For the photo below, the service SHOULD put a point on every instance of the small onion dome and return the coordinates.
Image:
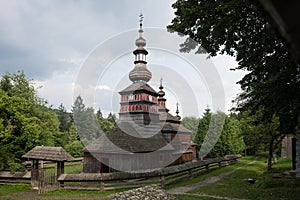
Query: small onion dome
(161, 93)
(161, 87)
(177, 111)
(140, 73)
(140, 42)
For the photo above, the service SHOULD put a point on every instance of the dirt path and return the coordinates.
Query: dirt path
(213, 179)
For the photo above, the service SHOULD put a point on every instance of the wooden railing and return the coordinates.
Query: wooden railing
(17, 178)
(164, 176)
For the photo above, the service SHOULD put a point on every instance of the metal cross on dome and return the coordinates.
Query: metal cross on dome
(177, 110)
(141, 18)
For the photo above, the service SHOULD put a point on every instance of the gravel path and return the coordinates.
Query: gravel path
(150, 192)
(213, 179)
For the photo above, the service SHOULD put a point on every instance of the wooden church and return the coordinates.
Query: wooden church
(147, 136)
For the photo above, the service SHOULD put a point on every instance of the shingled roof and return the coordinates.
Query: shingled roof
(172, 127)
(139, 86)
(165, 116)
(126, 139)
(48, 153)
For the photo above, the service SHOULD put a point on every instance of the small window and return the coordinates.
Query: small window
(131, 97)
(150, 98)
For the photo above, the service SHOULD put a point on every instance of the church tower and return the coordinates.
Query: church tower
(139, 102)
(146, 135)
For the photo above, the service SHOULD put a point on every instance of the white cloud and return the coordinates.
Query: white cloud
(103, 87)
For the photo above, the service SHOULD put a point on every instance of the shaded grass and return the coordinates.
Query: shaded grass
(236, 186)
(10, 189)
(70, 168)
(82, 193)
(85, 198)
(233, 185)
(190, 197)
(211, 173)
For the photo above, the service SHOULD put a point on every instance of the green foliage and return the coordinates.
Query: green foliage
(257, 133)
(105, 123)
(85, 121)
(191, 123)
(65, 118)
(239, 28)
(112, 117)
(17, 85)
(74, 148)
(89, 125)
(218, 135)
(74, 145)
(25, 121)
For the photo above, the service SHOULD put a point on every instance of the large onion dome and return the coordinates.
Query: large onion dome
(140, 73)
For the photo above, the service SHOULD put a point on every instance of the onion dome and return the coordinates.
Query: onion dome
(140, 42)
(161, 93)
(140, 73)
(177, 111)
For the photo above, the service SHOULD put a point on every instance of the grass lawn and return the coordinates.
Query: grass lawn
(214, 172)
(10, 189)
(82, 193)
(232, 186)
(190, 197)
(70, 168)
(57, 194)
(235, 186)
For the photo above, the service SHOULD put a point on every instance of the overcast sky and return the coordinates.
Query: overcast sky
(50, 41)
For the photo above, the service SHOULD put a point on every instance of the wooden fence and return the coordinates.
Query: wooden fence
(14, 178)
(165, 176)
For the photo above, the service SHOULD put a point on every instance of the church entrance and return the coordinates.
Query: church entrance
(104, 165)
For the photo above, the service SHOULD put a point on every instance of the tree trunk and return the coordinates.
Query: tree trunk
(275, 157)
(270, 154)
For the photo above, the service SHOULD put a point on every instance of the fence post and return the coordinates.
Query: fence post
(41, 181)
(162, 181)
(102, 185)
(207, 167)
(190, 173)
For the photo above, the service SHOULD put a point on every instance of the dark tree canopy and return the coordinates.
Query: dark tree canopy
(239, 28)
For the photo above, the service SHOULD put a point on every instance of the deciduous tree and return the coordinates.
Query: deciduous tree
(239, 28)
(25, 120)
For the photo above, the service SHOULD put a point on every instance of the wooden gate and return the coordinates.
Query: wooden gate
(47, 182)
